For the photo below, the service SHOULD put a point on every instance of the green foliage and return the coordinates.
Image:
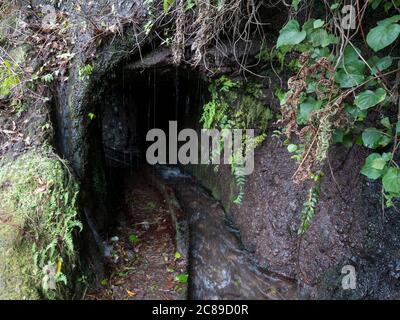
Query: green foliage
(178, 255)
(85, 71)
(374, 138)
(47, 78)
(38, 196)
(236, 105)
(295, 4)
(375, 165)
(8, 78)
(133, 238)
(150, 206)
(291, 34)
(91, 116)
(331, 94)
(310, 205)
(384, 34)
(182, 278)
(167, 4)
(368, 99)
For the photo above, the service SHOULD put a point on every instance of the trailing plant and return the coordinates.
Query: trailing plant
(334, 89)
(310, 205)
(85, 71)
(236, 105)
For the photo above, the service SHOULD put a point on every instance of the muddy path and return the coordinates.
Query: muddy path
(142, 259)
(173, 241)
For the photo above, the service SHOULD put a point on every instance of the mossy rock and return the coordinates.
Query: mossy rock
(38, 217)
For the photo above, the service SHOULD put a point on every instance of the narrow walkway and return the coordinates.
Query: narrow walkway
(142, 259)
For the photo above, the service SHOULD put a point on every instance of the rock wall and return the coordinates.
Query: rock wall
(350, 227)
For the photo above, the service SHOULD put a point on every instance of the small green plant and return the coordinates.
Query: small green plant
(91, 116)
(8, 77)
(133, 238)
(40, 200)
(84, 72)
(236, 105)
(182, 278)
(167, 4)
(104, 282)
(48, 78)
(310, 205)
(150, 206)
(178, 255)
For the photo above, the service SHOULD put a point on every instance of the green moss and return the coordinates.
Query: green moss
(38, 216)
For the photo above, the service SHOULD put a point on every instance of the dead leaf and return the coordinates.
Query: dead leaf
(130, 293)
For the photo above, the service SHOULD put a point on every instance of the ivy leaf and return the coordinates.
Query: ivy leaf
(383, 35)
(291, 148)
(369, 98)
(290, 34)
(351, 71)
(375, 3)
(355, 112)
(306, 108)
(321, 38)
(380, 64)
(387, 156)
(391, 180)
(374, 138)
(389, 21)
(348, 79)
(386, 123)
(318, 23)
(378, 164)
(373, 168)
(295, 4)
(351, 54)
(167, 5)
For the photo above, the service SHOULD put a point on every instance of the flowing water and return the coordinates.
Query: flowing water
(219, 266)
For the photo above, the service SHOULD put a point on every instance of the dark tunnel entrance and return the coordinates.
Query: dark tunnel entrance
(140, 232)
(165, 238)
(138, 101)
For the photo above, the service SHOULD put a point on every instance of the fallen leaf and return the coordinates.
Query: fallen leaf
(130, 293)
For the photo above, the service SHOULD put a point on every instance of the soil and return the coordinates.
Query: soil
(142, 261)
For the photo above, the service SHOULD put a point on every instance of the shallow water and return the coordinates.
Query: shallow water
(219, 266)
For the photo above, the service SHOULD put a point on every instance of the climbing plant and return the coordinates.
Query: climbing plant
(340, 94)
(236, 105)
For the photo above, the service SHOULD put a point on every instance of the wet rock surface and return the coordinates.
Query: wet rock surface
(349, 228)
(220, 268)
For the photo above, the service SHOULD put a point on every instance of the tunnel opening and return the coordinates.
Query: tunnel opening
(140, 230)
(164, 238)
(136, 101)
